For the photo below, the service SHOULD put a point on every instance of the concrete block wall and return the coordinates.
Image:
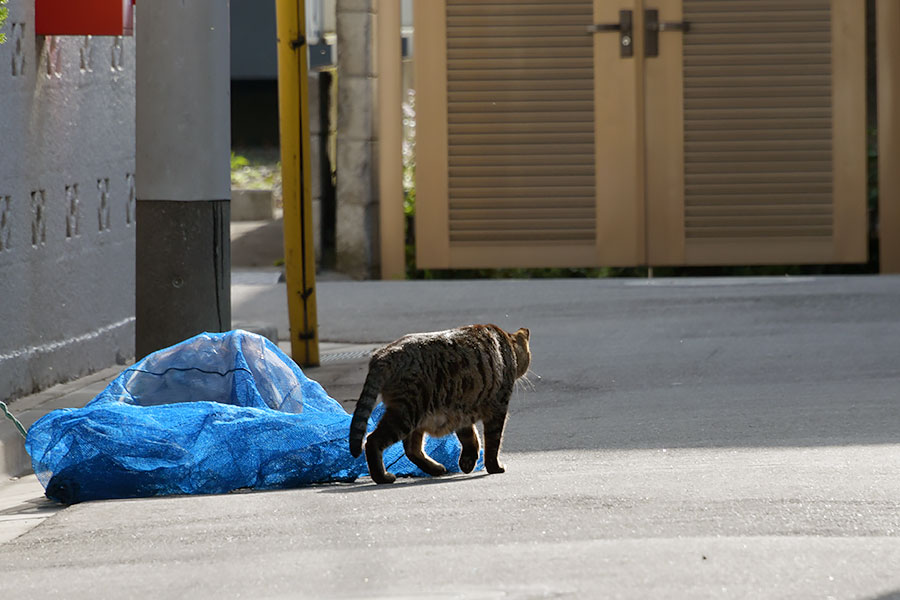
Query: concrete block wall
(357, 244)
(67, 204)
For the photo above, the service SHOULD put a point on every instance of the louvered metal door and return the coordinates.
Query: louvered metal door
(740, 141)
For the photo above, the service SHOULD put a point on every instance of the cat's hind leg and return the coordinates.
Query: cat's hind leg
(468, 456)
(393, 427)
(493, 435)
(415, 451)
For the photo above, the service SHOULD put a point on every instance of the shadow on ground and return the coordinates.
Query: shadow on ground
(257, 244)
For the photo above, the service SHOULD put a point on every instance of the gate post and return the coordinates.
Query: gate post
(888, 39)
(390, 140)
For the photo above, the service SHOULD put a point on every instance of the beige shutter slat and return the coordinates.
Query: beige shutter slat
(759, 70)
(493, 159)
(516, 34)
(519, 106)
(709, 8)
(518, 74)
(751, 157)
(522, 192)
(520, 53)
(519, 145)
(518, 8)
(513, 23)
(749, 200)
(763, 102)
(728, 45)
(517, 96)
(519, 212)
(499, 180)
(525, 172)
(758, 139)
(756, 209)
(569, 38)
(560, 85)
(524, 119)
(760, 126)
(505, 63)
(808, 56)
(749, 231)
(779, 81)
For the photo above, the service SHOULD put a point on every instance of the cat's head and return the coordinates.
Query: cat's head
(519, 341)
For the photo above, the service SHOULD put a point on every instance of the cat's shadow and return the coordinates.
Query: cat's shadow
(367, 485)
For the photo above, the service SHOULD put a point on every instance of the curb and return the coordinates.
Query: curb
(14, 461)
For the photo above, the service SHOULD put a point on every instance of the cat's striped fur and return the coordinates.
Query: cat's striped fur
(438, 383)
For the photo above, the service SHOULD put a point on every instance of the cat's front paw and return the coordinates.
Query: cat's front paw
(467, 463)
(386, 478)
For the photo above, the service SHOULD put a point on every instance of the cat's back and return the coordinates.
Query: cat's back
(468, 340)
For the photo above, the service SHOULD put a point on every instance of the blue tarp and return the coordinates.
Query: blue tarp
(215, 413)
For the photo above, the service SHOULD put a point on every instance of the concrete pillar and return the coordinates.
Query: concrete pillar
(183, 171)
(357, 244)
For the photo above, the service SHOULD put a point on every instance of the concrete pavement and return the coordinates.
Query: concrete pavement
(683, 438)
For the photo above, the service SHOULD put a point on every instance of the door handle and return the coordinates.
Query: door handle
(653, 26)
(625, 27)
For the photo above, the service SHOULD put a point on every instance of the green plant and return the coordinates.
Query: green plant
(238, 161)
(257, 170)
(4, 13)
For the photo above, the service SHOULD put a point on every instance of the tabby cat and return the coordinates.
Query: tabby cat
(438, 383)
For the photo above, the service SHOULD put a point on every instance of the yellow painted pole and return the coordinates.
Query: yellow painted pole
(390, 141)
(299, 253)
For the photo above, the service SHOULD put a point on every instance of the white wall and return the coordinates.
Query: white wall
(66, 204)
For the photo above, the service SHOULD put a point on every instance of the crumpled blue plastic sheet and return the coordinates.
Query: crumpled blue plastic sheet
(215, 413)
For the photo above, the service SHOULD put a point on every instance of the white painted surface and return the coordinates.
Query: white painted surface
(66, 204)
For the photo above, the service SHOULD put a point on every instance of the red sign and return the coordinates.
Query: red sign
(84, 17)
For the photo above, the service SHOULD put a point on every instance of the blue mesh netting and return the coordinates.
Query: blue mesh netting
(215, 413)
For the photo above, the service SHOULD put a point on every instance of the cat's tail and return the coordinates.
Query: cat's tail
(365, 405)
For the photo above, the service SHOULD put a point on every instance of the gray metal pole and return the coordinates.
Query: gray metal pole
(183, 171)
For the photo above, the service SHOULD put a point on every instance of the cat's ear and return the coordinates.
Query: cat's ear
(523, 332)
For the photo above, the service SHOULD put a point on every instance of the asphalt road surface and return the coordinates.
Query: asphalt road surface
(678, 439)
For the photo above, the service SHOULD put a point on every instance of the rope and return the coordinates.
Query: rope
(13, 419)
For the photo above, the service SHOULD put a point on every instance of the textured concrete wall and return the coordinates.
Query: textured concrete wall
(67, 204)
(357, 246)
